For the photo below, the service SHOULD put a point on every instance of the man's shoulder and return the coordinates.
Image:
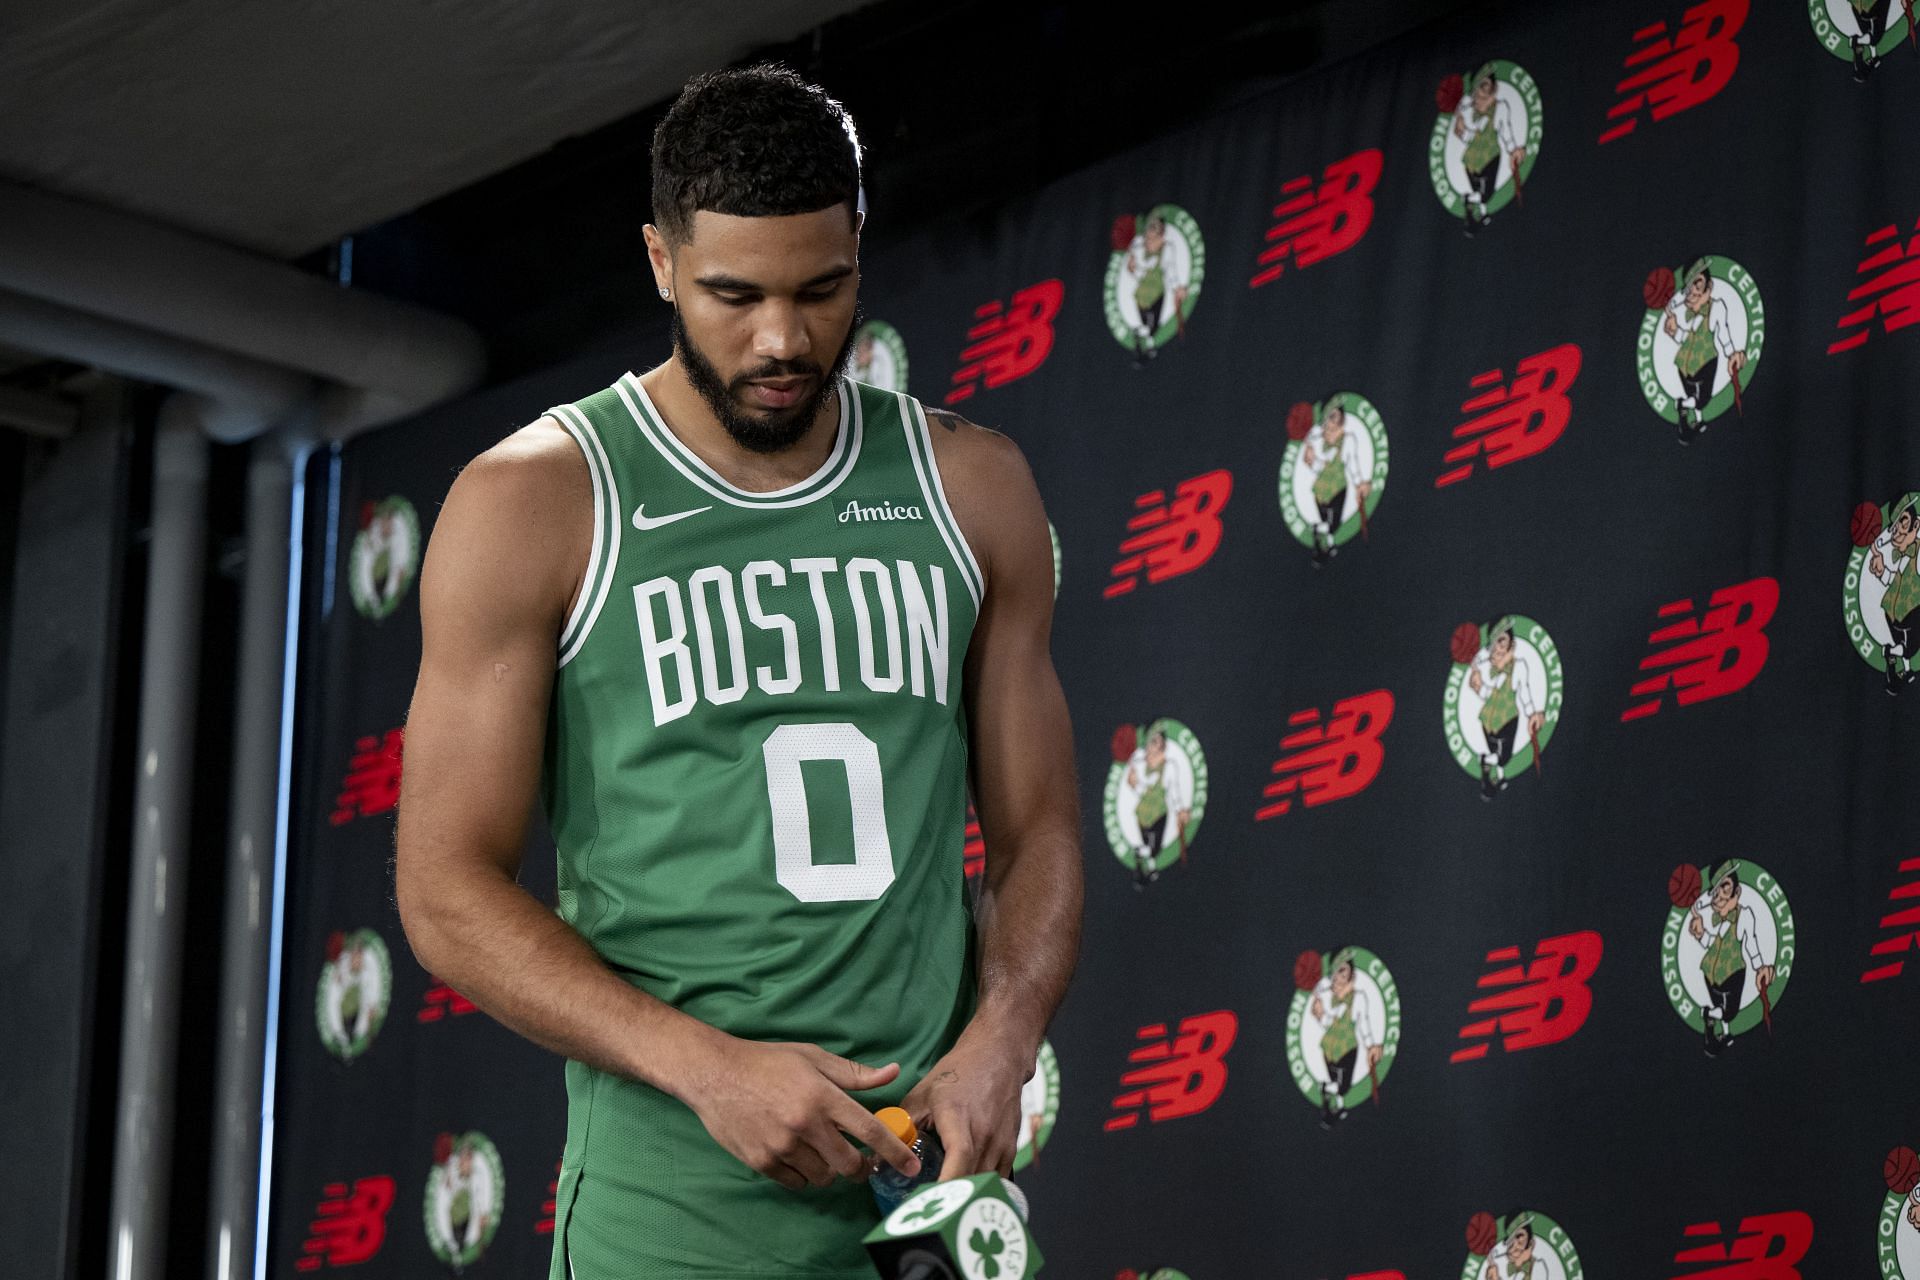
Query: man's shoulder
(540, 459)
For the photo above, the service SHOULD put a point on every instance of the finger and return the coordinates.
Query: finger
(783, 1173)
(806, 1162)
(960, 1153)
(837, 1153)
(850, 1075)
(852, 1119)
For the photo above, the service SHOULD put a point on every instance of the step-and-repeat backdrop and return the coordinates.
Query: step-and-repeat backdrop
(1484, 481)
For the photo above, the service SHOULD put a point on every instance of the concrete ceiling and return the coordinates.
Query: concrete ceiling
(280, 125)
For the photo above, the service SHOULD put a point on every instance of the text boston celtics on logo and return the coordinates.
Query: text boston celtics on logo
(1333, 472)
(1503, 699)
(1883, 587)
(1727, 950)
(1485, 142)
(1153, 278)
(1524, 1245)
(1156, 795)
(355, 988)
(1862, 31)
(1700, 341)
(465, 1190)
(1899, 1243)
(1343, 1029)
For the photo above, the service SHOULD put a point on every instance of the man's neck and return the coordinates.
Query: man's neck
(693, 422)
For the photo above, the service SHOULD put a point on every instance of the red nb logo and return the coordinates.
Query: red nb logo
(347, 1228)
(1893, 294)
(1330, 761)
(1319, 221)
(1508, 423)
(974, 851)
(1683, 72)
(1171, 538)
(551, 1206)
(1178, 1077)
(1766, 1247)
(373, 779)
(1905, 921)
(1537, 1004)
(442, 1001)
(1711, 656)
(1009, 342)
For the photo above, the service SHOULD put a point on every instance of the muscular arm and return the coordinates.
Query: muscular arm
(1028, 918)
(508, 552)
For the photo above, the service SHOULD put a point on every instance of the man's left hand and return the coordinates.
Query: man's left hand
(971, 1101)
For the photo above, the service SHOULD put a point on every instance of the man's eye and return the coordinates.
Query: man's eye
(818, 295)
(735, 300)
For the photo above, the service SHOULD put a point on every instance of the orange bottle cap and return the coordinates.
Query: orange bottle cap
(899, 1122)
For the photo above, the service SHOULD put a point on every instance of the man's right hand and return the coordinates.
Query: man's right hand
(783, 1110)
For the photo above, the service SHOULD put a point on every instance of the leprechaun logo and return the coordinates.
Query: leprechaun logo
(1151, 1273)
(1899, 1245)
(1153, 278)
(1863, 31)
(356, 986)
(1503, 698)
(464, 1192)
(1343, 1029)
(1156, 795)
(1332, 472)
(1039, 1107)
(1727, 950)
(386, 553)
(1699, 341)
(879, 356)
(1883, 587)
(1524, 1245)
(1485, 141)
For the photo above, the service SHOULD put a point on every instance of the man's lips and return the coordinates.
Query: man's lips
(778, 393)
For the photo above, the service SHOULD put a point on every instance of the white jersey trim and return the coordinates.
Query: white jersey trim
(828, 477)
(920, 442)
(606, 533)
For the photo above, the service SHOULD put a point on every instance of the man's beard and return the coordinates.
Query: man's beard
(772, 430)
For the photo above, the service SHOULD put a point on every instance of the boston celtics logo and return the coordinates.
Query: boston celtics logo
(1503, 699)
(1699, 341)
(1332, 472)
(1151, 1273)
(1524, 1245)
(1153, 278)
(1727, 950)
(386, 553)
(1343, 1029)
(927, 1207)
(1883, 587)
(1485, 141)
(464, 1192)
(991, 1240)
(879, 356)
(1156, 795)
(1862, 31)
(1039, 1107)
(1899, 1244)
(356, 986)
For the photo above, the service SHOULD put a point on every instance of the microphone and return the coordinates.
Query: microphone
(957, 1229)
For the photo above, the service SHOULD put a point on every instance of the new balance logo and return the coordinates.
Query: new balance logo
(1543, 1002)
(858, 512)
(644, 522)
(348, 1226)
(1903, 920)
(1511, 421)
(1707, 657)
(1672, 74)
(1331, 761)
(1181, 1076)
(1768, 1246)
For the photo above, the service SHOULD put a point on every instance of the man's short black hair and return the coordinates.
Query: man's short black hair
(752, 142)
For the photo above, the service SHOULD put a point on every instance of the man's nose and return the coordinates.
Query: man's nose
(780, 332)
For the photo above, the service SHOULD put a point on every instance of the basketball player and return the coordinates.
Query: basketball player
(750, 630)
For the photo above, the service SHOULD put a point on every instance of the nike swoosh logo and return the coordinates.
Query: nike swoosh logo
(643, 523)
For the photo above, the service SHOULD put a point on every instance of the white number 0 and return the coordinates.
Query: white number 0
(871, 871)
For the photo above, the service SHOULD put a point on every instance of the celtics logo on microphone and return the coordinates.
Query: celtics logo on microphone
(465, 1190)
(879, 356)
(1156, 795)
(1863, 31)
(1485, 141)
(1882, 602)
(1727, 950)
(1524, 1245)
(1154, 272)
(1503, 699)
(355, 988)
(385, 556)
(1333, 471)
(1343, 1030)
(1899, 1243)
(1700, 341)
(1039, 1107)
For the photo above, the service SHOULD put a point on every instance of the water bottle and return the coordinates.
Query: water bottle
(890, 1186)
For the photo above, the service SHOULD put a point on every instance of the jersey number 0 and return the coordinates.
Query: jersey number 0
(871, 871)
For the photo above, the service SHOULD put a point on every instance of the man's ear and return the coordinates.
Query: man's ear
(659, 256)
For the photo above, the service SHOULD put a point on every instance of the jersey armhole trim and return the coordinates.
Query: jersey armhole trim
(920, 447)
(606, 533)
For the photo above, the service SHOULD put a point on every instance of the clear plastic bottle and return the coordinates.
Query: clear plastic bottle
(890, 1186)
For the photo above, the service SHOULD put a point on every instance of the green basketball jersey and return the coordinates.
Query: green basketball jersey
(755, 776)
